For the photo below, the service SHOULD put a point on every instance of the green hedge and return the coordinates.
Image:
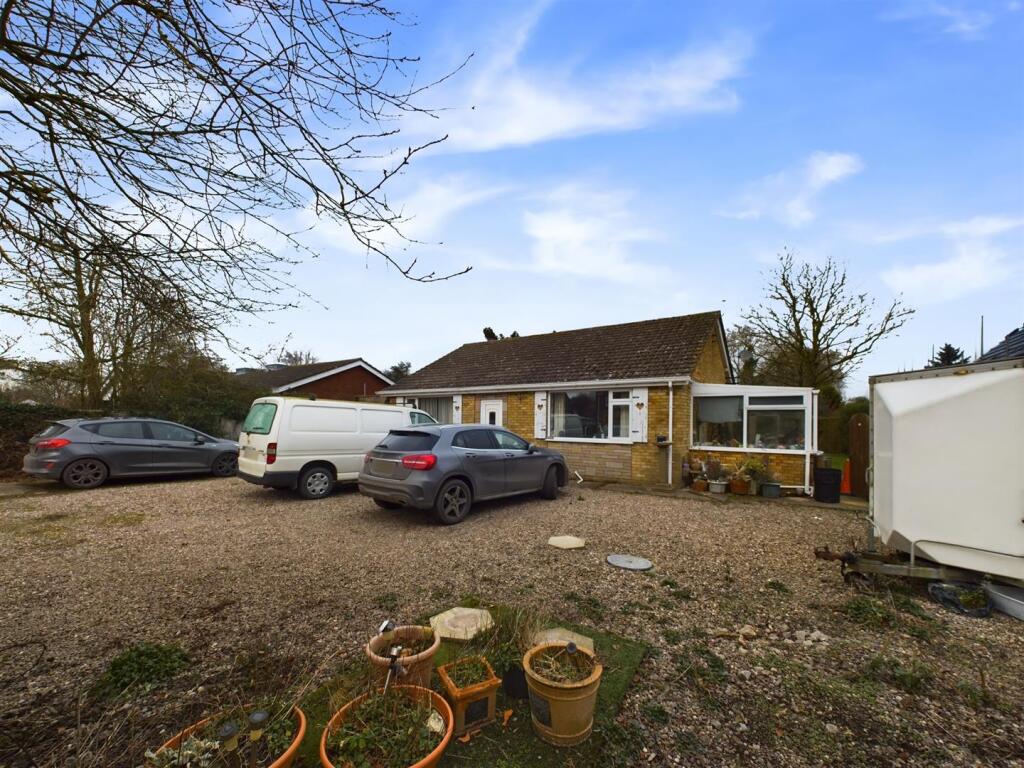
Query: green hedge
(18, 422)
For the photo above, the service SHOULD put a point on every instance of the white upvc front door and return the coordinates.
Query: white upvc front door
(490, 412)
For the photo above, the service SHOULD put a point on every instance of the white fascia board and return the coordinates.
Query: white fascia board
(549, 385)
(309, 379)
(747, 389)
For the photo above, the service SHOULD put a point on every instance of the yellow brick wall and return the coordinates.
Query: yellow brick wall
(710, 367)
(787, 468)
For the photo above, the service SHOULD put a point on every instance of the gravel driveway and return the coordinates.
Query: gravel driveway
(760, 654)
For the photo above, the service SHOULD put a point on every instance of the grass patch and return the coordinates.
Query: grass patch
(777, 586)
(656, 713)
(899, 612)
(141, 668)
(672, 636)
(589, 606)
(515, 746)
(124, 519)
(914, 677)
(387, 601)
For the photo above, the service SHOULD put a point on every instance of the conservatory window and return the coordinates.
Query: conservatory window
(766, 422)
(589, 415)
(718, 421)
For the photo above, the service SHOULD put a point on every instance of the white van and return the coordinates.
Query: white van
(309, 445)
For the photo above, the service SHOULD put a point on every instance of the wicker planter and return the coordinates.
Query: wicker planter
(474, 705)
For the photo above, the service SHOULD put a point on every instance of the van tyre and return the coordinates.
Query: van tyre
(453, 502)
(83, 474)
(550, 488)
(316, 482)
(225, 465)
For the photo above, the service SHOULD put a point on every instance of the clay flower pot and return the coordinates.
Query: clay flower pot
(413, 691)
(475, 704)
(739, 486)
(699, 485)
(284, 761)
(562, 713)
(418, 667)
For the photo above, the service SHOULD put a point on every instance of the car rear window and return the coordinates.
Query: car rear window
(53, 430)
(478, 439)
(407, 441)
(260, 418)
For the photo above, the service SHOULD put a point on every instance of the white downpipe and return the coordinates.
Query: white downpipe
(671, 397)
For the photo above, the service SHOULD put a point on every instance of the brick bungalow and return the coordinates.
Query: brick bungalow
(351, 379)
(625, 402)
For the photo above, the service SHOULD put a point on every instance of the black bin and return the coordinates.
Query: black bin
(826, 484)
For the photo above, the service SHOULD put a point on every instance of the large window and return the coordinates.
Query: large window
(438, 407)
(589, 414)
(749, 421)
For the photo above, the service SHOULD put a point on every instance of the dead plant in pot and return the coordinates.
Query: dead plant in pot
(266, 734)
(504, 644)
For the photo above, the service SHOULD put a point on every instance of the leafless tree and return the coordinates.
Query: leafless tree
(175, 136)
(813, 329)
(297, 357)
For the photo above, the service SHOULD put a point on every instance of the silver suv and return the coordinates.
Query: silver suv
(447, 468)
(83, 453)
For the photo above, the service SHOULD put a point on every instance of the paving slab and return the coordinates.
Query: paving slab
(461, 623)
(567, 542)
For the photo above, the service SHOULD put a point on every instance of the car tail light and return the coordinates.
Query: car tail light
(271, 453)
(52, 444)
(419, 461)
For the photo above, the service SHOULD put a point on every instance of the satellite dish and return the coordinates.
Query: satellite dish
(746, 355)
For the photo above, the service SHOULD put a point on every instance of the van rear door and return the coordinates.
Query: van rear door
(256, 437)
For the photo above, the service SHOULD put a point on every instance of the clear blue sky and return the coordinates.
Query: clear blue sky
(617, 161)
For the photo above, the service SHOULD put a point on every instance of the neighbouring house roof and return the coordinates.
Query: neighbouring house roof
(650, 349)
(285, 377)
(1011, 346)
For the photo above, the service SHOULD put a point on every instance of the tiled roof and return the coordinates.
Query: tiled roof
(1011, 346)
(272, 378)
(648, 349)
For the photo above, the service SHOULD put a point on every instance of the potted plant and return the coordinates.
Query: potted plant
(700, 483)
(563, 680)
(416, 648)
(405, 725)
(713, 469)
(770, 487)
(263, 735)
(718, 486)
(754, 471)
(739, 483)
(472, 689)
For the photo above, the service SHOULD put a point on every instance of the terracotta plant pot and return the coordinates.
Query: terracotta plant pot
(473, 705)
(418, 667)
(739, 486)
(284, 761)
(562, 713)
(700, 486)
(417, 693)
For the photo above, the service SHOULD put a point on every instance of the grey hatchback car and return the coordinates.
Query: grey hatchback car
(83, 453)
(447, 468)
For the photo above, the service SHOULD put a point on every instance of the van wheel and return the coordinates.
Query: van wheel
(316, 483)
(453, 502)
(550, 488)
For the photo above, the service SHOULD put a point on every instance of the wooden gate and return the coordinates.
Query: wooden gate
(859, 455)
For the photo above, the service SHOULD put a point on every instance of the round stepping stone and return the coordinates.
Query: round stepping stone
(461, 623)
(630, 562)
(567, 542)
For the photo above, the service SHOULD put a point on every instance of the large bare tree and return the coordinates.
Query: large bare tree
(175, 137)
(813, 329)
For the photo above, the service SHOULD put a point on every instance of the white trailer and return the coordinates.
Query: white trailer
(947, 467)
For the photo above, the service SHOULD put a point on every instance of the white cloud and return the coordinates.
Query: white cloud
(789, 195)
(977, 261)
(579, 231)
(507, 103)
(952, 19)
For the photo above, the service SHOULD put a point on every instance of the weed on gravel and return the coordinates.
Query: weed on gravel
(141, 668)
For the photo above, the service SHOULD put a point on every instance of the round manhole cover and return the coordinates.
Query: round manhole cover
(630, 562)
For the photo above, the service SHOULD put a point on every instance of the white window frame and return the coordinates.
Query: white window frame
(808, 406)
(612, 401)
